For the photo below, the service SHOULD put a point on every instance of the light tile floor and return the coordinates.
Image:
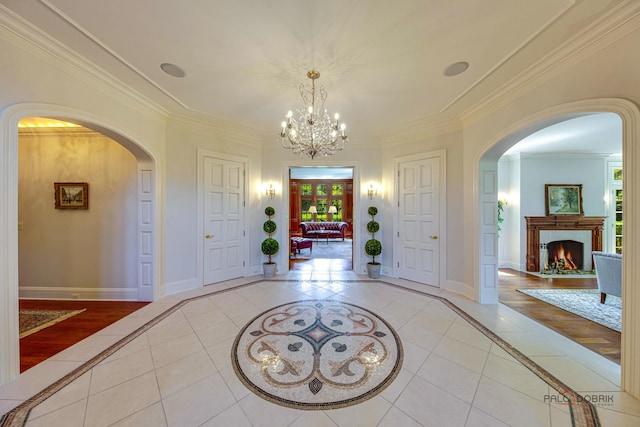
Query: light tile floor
(178, 372)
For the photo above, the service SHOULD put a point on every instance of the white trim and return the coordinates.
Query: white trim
(458, 287)
(181, 286)
(32, 39)
(85, 294)
(358, 265)
(442, 244)
(630, 116)
(202, 153)
(9, 118)
(604, 31)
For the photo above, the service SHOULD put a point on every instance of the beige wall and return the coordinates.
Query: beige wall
(76, 253)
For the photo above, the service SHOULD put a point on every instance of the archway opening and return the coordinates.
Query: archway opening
(144, 227)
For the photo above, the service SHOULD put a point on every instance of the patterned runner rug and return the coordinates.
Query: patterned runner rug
(32, 320)
(584, 303)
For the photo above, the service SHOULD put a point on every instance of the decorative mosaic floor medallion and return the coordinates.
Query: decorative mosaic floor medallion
(317, 354)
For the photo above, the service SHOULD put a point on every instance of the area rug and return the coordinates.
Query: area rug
(32, 321)
(584, 303)
(334, 249)
(317, 354)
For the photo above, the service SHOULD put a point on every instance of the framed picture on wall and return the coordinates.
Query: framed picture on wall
(563, 199)
(71, 195)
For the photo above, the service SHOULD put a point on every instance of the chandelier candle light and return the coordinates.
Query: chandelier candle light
(314, 133)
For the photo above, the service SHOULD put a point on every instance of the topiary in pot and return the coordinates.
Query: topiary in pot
(373, 247)
(270, 246)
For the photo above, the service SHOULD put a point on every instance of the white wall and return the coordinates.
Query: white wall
(86, 254)
(34, 81)
(365, 158)
(35, 75)
(416, 143)
(603, 79)
(181, 237)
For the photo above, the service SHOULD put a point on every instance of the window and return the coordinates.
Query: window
(618, 216)
(615, 207)
(322, 195)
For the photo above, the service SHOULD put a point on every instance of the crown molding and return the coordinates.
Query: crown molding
(30, 38)
(556, 156)
(225, 129)
(419, 129)
(619, 22)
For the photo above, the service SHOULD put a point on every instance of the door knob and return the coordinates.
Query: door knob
(434, 237)
(208, 236)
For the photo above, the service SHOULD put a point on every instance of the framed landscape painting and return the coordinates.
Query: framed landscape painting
(71, 195)
(563, 199)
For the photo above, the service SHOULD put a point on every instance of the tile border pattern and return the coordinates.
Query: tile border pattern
(583, 412)
(355, 331)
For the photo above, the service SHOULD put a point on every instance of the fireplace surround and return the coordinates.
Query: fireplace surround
(535, 224)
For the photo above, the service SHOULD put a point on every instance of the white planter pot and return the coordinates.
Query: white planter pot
(373, 270)
(269, 270)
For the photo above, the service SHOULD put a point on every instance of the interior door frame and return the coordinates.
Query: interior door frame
(442, 200)
(283, 266)
(200, 217)
(148, 228)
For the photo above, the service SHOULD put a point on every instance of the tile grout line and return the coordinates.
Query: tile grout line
(583, 413)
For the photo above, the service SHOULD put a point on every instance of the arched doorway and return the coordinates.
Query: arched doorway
(486, 242)
(146, 227)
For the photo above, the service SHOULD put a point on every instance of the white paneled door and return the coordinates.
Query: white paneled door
(419, 220)
(224, 227)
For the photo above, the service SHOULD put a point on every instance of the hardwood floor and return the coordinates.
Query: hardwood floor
(598, 338)
(41, 345)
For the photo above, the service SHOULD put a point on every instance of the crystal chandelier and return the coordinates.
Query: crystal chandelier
(314, 133)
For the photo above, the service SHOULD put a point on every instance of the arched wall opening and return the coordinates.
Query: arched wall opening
(146, 227)
(486, 241)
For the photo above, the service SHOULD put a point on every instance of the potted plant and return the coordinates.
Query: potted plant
(270, 245)
(373, 247)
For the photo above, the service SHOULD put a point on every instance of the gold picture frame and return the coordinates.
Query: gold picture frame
(71, 195)
(563, 199)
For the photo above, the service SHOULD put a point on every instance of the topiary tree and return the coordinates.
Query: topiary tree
(270, 245)
(373, 247)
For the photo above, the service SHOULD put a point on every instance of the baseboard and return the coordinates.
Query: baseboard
(180, 286)
(510, 264)
(459, 288)
(87, 294)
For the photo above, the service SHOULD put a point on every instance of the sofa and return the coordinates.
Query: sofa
(608, 274)
(329, 230)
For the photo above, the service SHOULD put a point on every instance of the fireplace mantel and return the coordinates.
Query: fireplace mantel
(595, 224)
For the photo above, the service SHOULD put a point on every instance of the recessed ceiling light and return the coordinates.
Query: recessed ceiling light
(456, 68)
(172, 69)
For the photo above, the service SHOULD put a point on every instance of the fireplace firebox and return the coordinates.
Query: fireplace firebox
(565, 255)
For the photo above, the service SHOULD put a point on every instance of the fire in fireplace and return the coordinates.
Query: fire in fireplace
(566, 254)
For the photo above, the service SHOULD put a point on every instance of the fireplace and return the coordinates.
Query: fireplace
(565, 255)
(545, 230)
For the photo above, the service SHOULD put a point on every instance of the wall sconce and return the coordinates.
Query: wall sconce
(372, 191)
(313, 211)
(270, 192)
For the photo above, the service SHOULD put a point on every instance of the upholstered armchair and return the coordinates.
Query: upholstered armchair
(608, 274)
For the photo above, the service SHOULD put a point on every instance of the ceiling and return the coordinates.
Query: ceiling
(382, 63)
(599, 134)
